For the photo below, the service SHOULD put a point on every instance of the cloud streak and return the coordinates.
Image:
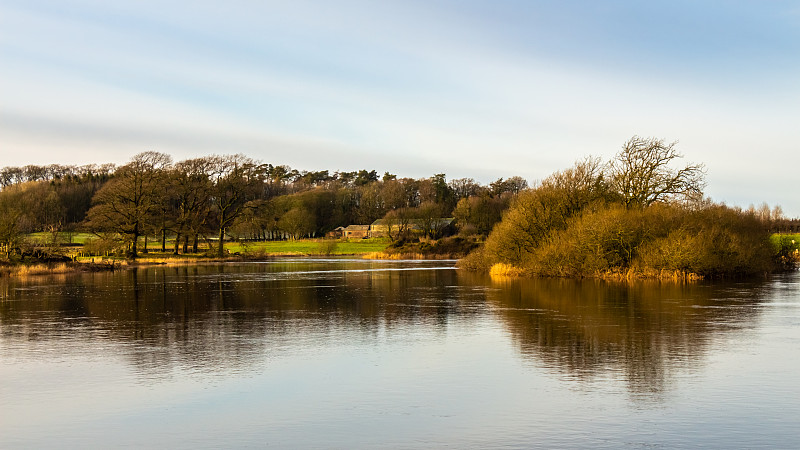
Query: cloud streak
(476, 89)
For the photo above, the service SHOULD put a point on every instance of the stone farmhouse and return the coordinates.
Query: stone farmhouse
(356, 232)
(380, 228)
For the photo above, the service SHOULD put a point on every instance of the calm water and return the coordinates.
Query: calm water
(311, 353)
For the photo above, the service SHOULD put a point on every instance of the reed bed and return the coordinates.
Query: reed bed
(679, 276)
(394, 256)
(27, 270)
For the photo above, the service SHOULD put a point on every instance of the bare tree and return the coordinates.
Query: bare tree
(297, 222)
(398, 223)
(641, 173)
(237, 179)
(464, 187)
(515, 185)
(124, 204)
(190, 185)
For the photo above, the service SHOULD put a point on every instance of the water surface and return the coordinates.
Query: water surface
(316, 353)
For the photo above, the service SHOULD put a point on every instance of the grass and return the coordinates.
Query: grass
(309, 247)
(258, 249)
(44, 237)
(299, 247)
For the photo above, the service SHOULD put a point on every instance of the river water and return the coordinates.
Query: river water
(332, 353)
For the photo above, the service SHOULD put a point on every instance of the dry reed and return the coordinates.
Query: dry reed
(26, 270)
(501, 270)
(393, 256)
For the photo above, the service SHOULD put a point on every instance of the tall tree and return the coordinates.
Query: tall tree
(124, 204)
(464, 187)
(297, 222)
(191, 191)
(237, 180)
(641, 173)
(10, 214)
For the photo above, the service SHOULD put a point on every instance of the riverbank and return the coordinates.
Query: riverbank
(31, 269)
(501, 270)
(446, 248)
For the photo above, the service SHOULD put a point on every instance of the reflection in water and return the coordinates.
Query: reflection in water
(220, 318)
(223, 318)
(310, 353)
(644, 330)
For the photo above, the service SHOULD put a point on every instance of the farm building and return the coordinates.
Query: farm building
(336, 233)
(356, 232)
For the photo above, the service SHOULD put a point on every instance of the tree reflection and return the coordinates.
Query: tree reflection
(644, 330)
(218, 319)
(223, 318)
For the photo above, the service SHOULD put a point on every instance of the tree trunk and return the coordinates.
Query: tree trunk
(177, 243)
(185, 243)
(164, 240)
(133, 245)
(144, 250)
(194, 244)
(221, 248)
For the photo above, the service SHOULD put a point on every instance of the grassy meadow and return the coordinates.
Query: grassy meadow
(309, 247)
(61, 238)
(75, 242)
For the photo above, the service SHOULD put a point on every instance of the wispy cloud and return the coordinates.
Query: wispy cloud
(481, 89)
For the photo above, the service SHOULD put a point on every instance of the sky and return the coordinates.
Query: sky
(480, 89)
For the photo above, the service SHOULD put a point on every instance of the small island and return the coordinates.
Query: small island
(637, 216)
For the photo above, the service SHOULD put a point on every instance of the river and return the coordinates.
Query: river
(336, 353)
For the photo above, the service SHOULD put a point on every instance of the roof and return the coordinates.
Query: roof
(357, 228)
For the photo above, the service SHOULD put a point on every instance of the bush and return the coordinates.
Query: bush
(328, 246)
(475, 261)
(715, 241)
(786, 251)
(102, 246)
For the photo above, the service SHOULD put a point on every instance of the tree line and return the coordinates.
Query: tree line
(208, 198)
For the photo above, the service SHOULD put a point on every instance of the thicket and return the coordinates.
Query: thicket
(636, 216)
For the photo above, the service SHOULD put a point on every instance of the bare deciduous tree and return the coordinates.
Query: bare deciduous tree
(126, 202)
(190, 186)
(297, 222)
(641, 173)
(236, 180)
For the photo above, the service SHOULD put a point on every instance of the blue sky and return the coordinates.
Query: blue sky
(481, 89)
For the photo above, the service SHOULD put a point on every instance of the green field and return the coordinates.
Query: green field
(62, 237)
(299, 247)
(310, 246)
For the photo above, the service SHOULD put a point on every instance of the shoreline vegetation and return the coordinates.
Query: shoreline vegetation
(442, 249)
(69, 259)
(635, 217)
(59, 268)
(456, 248)
(641, 215)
